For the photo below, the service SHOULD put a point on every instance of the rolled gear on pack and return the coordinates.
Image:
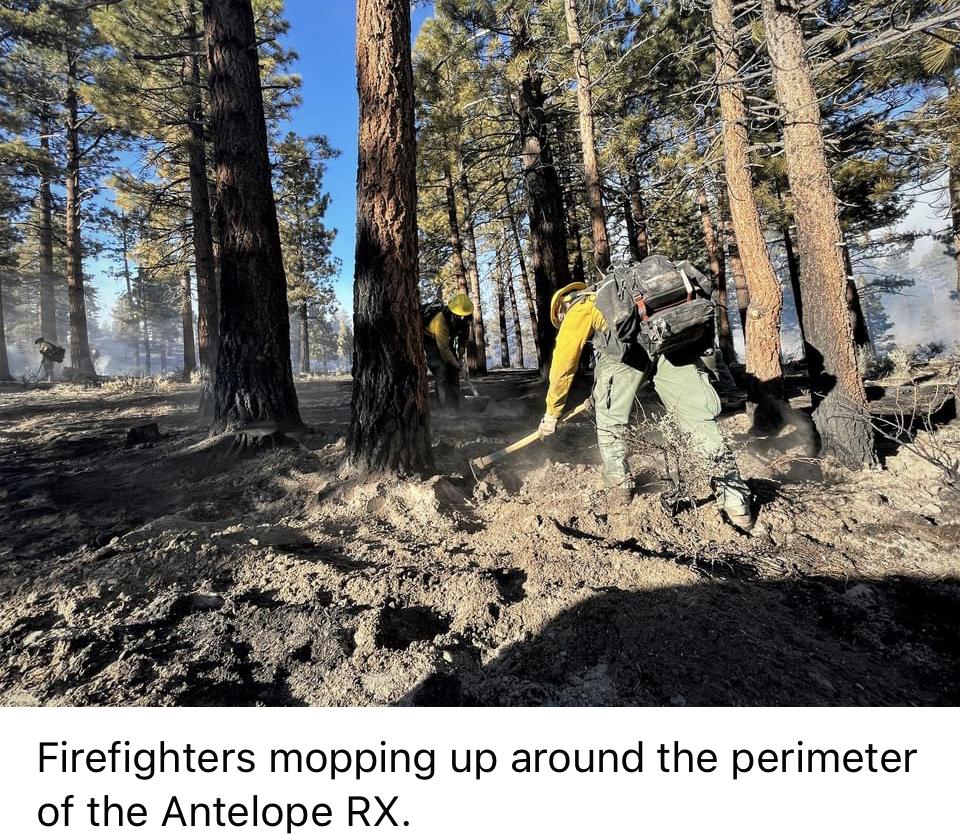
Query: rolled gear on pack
(661, 306)
(54, 353)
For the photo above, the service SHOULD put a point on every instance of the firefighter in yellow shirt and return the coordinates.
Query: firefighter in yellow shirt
(445, 329)
(684, 388)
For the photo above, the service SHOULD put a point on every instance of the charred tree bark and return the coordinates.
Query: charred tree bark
(955, 214)
(303, 317)
(254, 380)
(390, 424)
(591, 168)
(48, 298)
(186, 321)
(5, 375)
(841, 415)
(208, 312)
(762, 332)
(524, 276)
(80, 357)
(477, 345)
(548, 248)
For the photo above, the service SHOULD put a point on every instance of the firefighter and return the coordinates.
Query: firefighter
(682, 383)
(445, 331)
(49, 355)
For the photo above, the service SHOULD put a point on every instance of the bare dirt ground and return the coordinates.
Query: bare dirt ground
(179, 572)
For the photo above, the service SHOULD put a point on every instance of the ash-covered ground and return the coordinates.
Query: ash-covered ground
(179, 572)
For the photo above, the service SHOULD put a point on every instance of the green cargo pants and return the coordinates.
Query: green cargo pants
(689, 396)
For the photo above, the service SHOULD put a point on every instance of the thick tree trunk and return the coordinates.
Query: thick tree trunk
(254, 380)
(390, 425)
(186, 322)
(502, 313)
(304, 320)
(80, 357)
(548, 248)
(48, 298)
(524, 275)
(841, 415)
(639, 212)
(5, 375)
(591, 168)
(764, 368)
(208, 312)
(477, 345)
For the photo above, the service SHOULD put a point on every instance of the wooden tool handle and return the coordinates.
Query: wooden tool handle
(523, 443)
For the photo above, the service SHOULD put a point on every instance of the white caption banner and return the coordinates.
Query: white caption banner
(754, 770)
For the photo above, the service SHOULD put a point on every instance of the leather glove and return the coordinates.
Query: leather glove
(547, 426)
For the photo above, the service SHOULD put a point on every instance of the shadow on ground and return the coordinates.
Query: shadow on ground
(895, 642)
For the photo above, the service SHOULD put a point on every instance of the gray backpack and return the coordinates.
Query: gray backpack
(657, 305)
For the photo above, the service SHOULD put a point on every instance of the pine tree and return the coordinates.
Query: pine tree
(254, 382)
(840, 403)
(390, 428)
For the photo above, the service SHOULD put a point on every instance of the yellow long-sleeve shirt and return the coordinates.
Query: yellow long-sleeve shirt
(579, 325)
(437, 329)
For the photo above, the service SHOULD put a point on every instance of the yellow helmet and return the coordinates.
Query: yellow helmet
(460, 305)
(557, 301)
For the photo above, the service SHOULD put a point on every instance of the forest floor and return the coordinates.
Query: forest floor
(179, 572)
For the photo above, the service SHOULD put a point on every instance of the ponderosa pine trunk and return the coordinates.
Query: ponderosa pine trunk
(303, 318)
(524, 275)
(186, 323)
(80, 358)
(208, 313)
(548, 247)
(254, 379)
(764, 316)
(841, 415)
(48, 297)
(5, 375)
(477, 344)
(390, 421)
(593, 180)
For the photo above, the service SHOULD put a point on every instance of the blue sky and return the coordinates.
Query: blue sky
(323, 33)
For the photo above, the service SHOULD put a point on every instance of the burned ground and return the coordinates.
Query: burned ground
(184, 571)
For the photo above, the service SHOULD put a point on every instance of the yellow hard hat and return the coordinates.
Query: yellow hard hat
(557, 301)
(460, 305)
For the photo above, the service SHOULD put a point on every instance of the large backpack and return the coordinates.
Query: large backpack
(429, 311)
(657, 305)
